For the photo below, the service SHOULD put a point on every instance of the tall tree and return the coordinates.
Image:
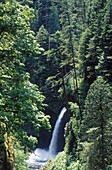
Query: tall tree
(96, 127)
(20, 101)
(106, 43)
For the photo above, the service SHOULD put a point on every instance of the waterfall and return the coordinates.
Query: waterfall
(54, 140)
(40, 156)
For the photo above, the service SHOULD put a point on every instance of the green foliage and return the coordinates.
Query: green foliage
(43, 37)
(58, 164)
(95, 44)
(62, 161)
(74, 109)
(74, 165)
(20, 99)
(88, 54)
(20, 158)
(83, 88)
(105, 61)
(96, 127)
(21, 103)
(71, 137)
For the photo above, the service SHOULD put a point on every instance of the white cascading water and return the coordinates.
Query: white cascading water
(54, 141)
(41, 156)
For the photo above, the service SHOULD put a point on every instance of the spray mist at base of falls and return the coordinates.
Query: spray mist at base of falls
(40, 156)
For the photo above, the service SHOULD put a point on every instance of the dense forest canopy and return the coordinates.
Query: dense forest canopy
(56, 53)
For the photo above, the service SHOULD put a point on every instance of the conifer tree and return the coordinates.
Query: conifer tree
(96, 127)
(106, 43)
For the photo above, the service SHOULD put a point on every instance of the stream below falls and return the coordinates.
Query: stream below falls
(39, 158)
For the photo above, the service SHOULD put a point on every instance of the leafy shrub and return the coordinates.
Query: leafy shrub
(58, 164)
(20, 158)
